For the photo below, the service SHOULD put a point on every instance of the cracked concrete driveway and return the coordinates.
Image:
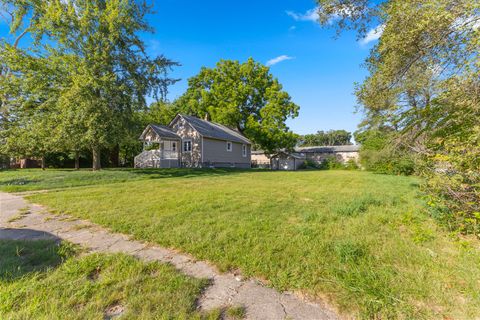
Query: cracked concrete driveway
(20, 220)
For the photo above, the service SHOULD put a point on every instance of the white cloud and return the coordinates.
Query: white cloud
(373, 34)
(310, 15)
(292, 28)
(313, 16)
(278, 59)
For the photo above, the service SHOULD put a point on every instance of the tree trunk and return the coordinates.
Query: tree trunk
(96, 159)
(77, 160)
(43, 162)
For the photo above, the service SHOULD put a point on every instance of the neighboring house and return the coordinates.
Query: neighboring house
(22, 163)
(293, 160)
(194, 143)
(341, 153)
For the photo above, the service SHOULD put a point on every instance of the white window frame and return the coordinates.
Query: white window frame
(244, 150)
(183, 145)
(229, 143)
(174, 146)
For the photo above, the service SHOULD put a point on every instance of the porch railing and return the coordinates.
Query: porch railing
(150, 158)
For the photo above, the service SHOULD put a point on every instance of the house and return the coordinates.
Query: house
(320, 153)
(193, 143)
(293, 160)
(287, 161)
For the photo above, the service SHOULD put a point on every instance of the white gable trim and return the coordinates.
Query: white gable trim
(142, 136)
(186, 121)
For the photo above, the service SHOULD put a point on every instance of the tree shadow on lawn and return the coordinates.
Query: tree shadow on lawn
(25, 251)
(154, 173)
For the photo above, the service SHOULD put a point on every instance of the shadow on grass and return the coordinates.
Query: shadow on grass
(185, 172)
(65, 178)
(18, 182)
(25, 251)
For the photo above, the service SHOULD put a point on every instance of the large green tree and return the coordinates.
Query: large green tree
(100, 72)
(244, 96)
(424, 81)
(326, 138)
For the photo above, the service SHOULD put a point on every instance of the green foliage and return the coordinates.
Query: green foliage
(64, 94)
(378, 152)
(244, 96)
(424, 83)
(351, 164)
(332, 163)
(329, 138)
(153, 146)
(160, 113)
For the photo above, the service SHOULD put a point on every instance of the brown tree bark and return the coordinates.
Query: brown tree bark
(77, 160)
(43, 163)
(96, 159)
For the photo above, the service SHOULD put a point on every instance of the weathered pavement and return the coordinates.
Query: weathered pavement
(21, 220)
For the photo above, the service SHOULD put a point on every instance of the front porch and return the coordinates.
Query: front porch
(161, 148)
(157, 159)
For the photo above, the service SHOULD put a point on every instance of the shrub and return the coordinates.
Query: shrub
(311, 164)
(331, 163)
(378, 154)
(152, 146)
(351, 164)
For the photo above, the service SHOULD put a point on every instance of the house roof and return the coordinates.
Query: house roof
(215, 130)
(162, 131)
(329, 149)
(295, 155)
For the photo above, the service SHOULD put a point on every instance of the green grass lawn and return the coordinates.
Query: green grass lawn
(360, 240)
(44, 280)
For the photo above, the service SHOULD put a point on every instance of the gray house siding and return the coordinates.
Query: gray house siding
(215, 154)
(192, 159)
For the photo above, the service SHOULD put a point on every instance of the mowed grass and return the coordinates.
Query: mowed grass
(45, 280)
(362, 241)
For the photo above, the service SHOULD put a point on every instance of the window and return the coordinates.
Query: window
(244, 150)
(174, 146)
(187, 146)
(229, 146)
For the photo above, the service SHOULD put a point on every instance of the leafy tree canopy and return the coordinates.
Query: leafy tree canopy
(424, 82)
(328, 138)
(244, 96)
(87, 70)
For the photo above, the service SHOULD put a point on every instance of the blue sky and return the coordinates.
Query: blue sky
(319, 74)
(317, 70)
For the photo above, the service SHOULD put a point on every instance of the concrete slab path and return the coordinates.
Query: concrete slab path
(22, 220)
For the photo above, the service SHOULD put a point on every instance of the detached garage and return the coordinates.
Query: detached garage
(287, 161)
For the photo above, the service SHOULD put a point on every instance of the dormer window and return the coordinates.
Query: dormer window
(229, 146)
